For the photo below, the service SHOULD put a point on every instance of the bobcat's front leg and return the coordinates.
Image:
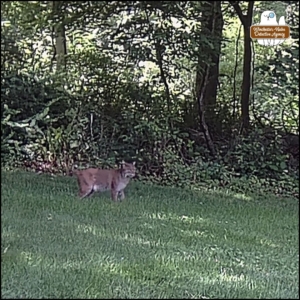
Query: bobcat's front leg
(122, 195)
(114, 195)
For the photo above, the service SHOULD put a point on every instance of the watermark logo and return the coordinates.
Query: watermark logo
(268, 32)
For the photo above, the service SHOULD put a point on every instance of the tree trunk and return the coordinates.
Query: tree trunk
(246, 20)
(212, 26)
(203, 123)
(246, 79)
(60, 35)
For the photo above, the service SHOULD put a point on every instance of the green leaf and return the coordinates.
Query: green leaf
(283, 165)
(74, 144)
(32, 123)
(274, 167)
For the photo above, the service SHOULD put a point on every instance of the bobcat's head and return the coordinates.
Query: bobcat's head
(128, 170)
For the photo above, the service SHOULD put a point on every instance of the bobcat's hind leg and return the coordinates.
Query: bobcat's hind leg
(85, 193)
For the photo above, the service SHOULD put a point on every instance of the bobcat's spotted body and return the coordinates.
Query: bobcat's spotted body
(99, 180)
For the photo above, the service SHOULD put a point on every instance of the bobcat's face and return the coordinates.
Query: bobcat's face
(128, 170)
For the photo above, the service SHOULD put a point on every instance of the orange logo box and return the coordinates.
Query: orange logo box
(270, 31)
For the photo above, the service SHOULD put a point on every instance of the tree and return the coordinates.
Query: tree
(60, 49)
(246, 21)
(209, 55)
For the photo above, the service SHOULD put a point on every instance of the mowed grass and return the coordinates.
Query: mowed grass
(158, 243)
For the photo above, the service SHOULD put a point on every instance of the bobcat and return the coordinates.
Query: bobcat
(92, 179)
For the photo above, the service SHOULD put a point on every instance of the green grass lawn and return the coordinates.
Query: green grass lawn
(159, 243)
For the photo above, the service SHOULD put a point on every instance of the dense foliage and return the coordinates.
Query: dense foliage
(94, 82)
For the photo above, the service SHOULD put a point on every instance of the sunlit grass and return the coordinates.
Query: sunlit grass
(158, 243)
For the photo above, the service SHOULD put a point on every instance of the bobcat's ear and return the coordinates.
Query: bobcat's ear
(133, 163)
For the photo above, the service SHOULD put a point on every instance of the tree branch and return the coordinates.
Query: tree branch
(237, 8)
